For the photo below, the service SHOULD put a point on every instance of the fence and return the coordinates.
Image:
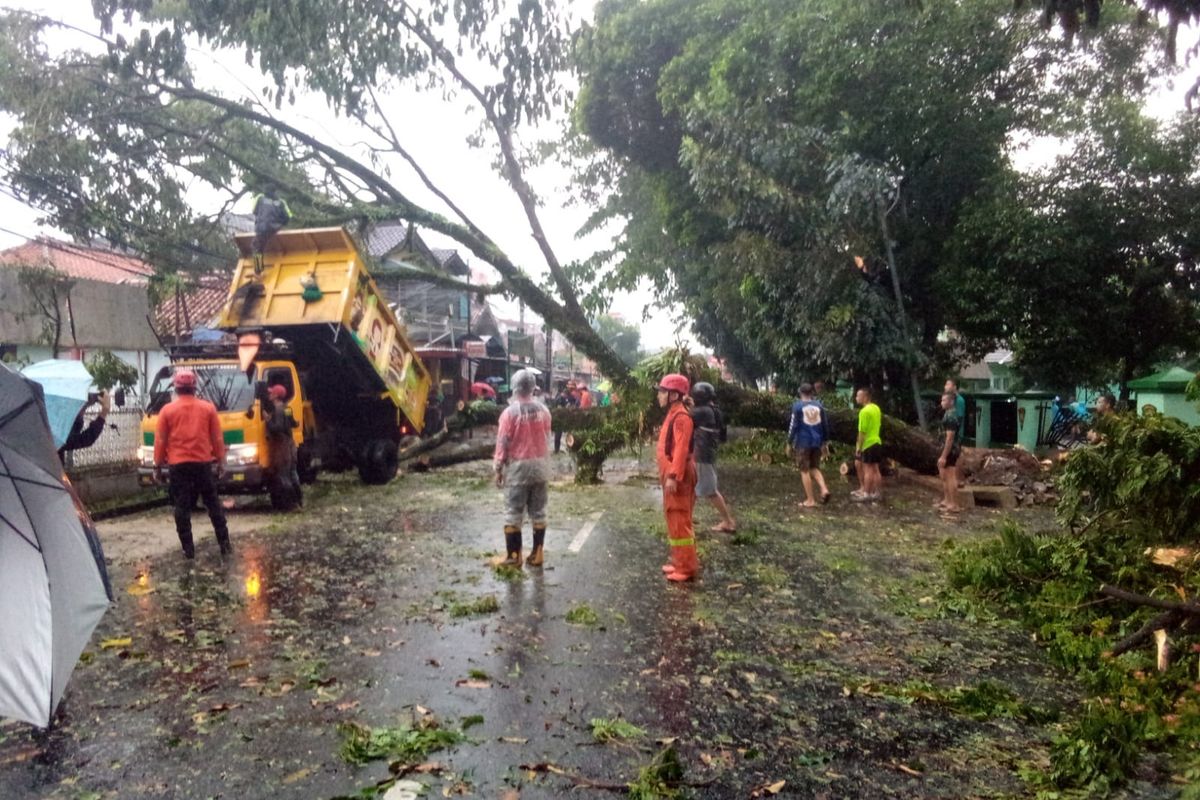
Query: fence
(116, 446)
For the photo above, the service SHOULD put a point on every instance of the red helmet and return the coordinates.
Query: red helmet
(277, 392)
(184, 379)
(675, 383)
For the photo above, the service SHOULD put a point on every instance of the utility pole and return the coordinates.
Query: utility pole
(891, 259)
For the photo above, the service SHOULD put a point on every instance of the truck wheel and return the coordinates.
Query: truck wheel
(282, 496)
(304, 465)
(379, 463)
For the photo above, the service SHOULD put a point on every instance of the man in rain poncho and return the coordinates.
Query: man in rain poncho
(522, 465)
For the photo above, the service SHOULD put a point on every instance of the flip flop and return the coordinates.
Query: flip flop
(825, 497)
(722, 529)
(808, 505)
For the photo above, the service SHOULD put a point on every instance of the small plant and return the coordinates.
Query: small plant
(509, 573)
(488, 604)
(471, 721)
(582, 614)
(362, 744)
(109, 372)
(478, 675)
(660, 779)
(1098, 749)
(611, 730)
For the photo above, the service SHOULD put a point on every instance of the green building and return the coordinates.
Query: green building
(1165, 392)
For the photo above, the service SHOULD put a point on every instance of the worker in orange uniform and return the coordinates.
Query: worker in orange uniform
(677, 473)
(188, 440)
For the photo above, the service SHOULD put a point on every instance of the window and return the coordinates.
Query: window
(282, 376)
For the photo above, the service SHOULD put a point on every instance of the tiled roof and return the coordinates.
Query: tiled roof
(384, 237)
(237, 223)
(88, 263)
(197, 307)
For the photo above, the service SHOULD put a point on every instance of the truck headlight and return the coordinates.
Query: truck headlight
(239, 455)
(146, 456)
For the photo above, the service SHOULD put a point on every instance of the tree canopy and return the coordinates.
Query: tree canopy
(762, 155)
(1087, 268)
(112, 140)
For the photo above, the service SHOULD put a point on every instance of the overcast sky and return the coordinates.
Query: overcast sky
(435, 132)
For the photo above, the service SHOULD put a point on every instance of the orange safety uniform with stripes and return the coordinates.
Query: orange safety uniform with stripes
(675, 461)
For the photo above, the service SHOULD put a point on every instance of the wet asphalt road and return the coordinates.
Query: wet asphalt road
(238, 673)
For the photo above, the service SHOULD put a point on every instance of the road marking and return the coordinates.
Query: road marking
(577, 543)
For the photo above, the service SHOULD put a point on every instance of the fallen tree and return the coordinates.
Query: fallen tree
(903, 443)
(596, 433)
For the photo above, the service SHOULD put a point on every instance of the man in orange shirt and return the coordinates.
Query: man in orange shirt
(188, 440)
(677, 472)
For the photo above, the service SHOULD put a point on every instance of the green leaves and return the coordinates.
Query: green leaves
(362, 744)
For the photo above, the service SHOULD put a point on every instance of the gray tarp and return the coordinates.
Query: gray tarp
(53, 585)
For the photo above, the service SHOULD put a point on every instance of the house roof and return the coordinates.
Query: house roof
(78, 261)
(198, 306)
(385, 238)
(1174, 379)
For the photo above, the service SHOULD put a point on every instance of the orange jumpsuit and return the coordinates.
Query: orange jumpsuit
(677, 429)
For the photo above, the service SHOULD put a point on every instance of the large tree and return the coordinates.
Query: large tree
(770, 159)
(114, 140)
(1088, 268)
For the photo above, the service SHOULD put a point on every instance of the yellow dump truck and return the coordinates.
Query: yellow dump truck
(307, 317)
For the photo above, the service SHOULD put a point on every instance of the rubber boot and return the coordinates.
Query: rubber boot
(512, 546)
(682, 538)
(536, 555)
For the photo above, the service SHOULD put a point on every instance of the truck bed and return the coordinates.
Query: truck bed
(348, 341)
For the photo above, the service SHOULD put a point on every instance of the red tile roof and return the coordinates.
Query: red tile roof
(78, 261)
(196, 307)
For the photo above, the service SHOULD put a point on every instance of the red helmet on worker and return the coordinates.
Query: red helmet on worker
(277, 392)
(184, 379)
(674, 383)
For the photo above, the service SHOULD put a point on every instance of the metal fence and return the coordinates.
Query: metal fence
(116, 446)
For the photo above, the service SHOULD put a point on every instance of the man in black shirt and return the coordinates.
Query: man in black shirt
(82, 436)
(564, 399)
(709, 433)
(948, 460)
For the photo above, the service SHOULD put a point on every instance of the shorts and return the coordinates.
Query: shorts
(807, 457)
(524, 497)
(706, 480)
(873, 454)
(952, 457)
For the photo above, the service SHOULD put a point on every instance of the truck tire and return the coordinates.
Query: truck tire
(304, 465)
(379, 462)
(283, 498)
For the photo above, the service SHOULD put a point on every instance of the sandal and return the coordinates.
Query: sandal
(722, 529)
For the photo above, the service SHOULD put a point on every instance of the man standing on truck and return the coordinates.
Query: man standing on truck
(188, 440)
(270, 215)
(523, 468)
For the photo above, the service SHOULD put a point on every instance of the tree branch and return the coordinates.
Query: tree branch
(406, 272)
(512, 166)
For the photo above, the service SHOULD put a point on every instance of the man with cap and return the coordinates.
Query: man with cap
(677, 473)
(189, 442)
(281, 444)
(522, 466)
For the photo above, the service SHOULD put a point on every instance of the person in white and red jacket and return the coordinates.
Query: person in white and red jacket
(522, 466)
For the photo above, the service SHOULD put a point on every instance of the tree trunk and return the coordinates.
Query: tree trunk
(907, 445)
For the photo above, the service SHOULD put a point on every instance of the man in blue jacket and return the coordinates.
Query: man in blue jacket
(808, 440)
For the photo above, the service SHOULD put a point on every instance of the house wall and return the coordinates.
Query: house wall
(1177, 405)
